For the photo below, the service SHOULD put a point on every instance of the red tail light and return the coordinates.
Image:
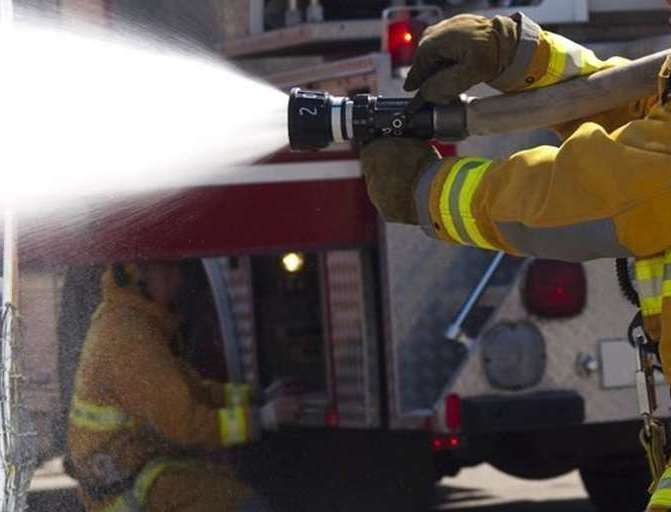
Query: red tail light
(453, 412)
(402, 41)
(555, 289)
(332, 418)
(442, 443)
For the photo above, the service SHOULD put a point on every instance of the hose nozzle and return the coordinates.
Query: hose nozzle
(317, 119)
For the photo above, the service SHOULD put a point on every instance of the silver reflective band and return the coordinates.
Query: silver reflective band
(422, 198)
(529, 34)
(583, 241)
(349, 119)
(336, 119)
(664, 483)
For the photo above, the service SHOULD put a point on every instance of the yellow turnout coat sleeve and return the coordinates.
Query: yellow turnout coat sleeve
(217, 394)
(153, 387)
(601, 194)
(544, 58)
(598, 195)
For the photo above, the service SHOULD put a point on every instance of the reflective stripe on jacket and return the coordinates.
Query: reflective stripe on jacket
(653, 279)
(235, 422)
(99, 418)
(661, 497)
(544, 58)
(136, 498)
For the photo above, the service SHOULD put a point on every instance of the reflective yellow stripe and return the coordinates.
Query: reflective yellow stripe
(238, 394)
(100, 418)
(456, 201)
(589, 63)
(234, 425)
(444, 205)
(666, 286)
(649, 268)
(651, 306)
(662, 495)
(557, 62)
(653, 277)
(466, 205)
(119, 505)
(592, 63)
(568, 60)
(146, 479)
(143, 483)
(649, 275)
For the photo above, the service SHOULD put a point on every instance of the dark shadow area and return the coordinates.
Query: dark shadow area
(56, 500)
(446, 494)
(534, 506)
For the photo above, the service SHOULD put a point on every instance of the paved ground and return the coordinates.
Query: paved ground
(480, 489)
(52, 491)
(484, 489)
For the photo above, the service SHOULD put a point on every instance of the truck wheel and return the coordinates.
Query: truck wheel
(523, 468)
(623, 488)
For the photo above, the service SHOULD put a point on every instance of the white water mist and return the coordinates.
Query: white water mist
(88, 113)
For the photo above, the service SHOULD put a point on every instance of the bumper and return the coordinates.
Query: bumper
(494, 414)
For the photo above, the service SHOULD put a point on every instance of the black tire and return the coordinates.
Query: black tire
(617, 487)
(532, 470)
(528, 455)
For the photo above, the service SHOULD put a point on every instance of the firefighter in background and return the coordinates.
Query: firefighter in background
(139, 414)
(606, 192)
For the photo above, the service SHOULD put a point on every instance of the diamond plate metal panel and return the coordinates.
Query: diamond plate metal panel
(239, 279)
(353, 339)
(427, 282)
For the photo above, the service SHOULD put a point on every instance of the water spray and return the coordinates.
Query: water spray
(317, 119)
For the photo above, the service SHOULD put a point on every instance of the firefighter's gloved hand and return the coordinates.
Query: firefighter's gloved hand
(461, 52)
(392, 167)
